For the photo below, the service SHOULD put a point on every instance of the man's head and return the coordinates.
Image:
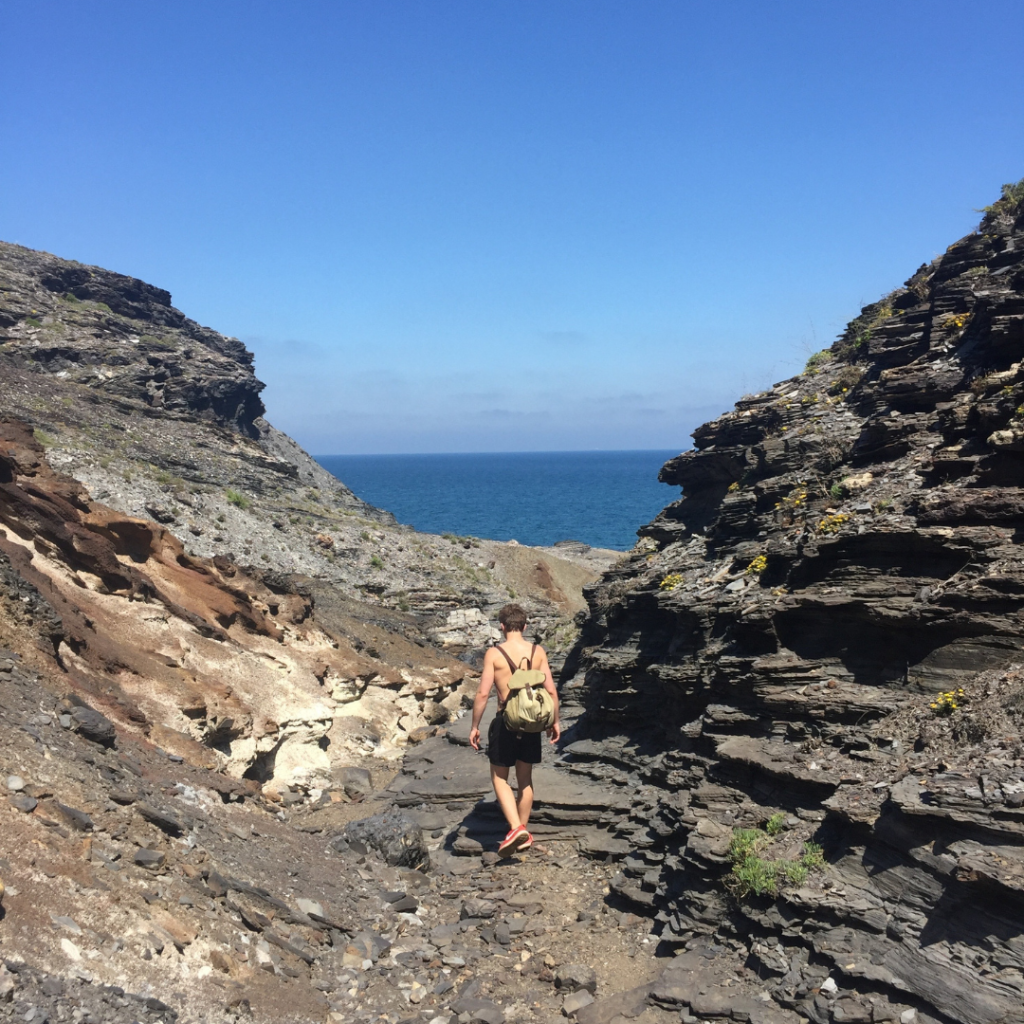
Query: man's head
(512, 618)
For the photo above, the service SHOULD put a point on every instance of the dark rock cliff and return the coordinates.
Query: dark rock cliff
(815, 645)
(92, 317)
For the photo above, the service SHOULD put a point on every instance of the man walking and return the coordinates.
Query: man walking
(506, 749)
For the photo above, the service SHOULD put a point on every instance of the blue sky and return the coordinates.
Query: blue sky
(458, 226)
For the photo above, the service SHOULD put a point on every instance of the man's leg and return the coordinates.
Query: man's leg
(506, 798)
(524, 780)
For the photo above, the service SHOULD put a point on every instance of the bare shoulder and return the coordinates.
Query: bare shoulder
(540, 653)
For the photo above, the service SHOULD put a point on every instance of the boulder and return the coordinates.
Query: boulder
(93, 726)
(397, 839)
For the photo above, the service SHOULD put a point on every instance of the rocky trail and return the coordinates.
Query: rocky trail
(143, 888)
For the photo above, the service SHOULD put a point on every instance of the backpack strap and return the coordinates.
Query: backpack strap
(511, 663)
(529, 660)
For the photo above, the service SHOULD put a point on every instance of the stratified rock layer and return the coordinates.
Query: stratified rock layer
(846, 547)
(210, 663)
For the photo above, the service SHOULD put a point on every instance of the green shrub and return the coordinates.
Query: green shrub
(757, 875)
(237, 498)
(33, 321)
(1011, 198)
(377, 562)
(45, 439)
(745, 843)
(817, 360)
(813, 856)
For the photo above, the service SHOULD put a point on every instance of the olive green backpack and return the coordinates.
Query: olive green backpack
(529, 707)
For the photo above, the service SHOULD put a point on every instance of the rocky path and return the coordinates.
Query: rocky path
(141, 888)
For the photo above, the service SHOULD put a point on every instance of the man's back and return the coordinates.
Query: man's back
(517, 649)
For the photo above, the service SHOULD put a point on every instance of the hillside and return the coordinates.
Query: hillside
(161, 418)
(815, 655)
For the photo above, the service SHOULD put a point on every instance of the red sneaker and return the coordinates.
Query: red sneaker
(527, 843)
(513, 841)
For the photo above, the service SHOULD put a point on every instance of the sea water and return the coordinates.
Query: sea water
(536, 498)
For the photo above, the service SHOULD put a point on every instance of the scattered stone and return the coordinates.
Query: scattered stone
(66, 922)
(75, 818)
(163, 820)
(356, 782)
(22, 802)
(477, 908)
(574, 977)
(480, 1011)
(15, 783)
(8, 985)
(93, 726)
(150, 859)
(70, 950)
(575, 1002)
(630, 1003)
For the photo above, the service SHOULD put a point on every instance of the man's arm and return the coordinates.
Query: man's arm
(549, 684)
(480, 700)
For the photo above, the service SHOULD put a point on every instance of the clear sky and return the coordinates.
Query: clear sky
(493, 226)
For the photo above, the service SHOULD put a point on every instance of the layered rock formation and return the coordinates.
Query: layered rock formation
(815, 645)
(207, 661)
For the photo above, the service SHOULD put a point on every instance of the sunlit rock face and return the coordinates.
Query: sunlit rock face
(225, 670)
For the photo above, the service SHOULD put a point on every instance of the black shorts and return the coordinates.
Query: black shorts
(505, 747)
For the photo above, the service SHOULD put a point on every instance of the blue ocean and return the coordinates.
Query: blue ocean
(536, 498)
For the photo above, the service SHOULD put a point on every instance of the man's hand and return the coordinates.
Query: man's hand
(474, 738)
(553, 733)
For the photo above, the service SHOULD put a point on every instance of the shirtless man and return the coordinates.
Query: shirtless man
(506, 749)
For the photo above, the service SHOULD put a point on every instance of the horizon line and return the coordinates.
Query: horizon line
(533, 451)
